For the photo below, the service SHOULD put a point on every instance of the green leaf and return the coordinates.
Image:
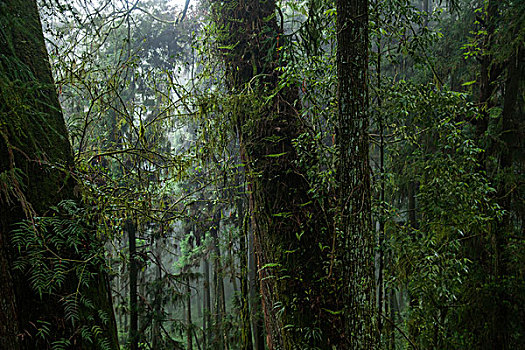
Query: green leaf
(468, 83)
(276, 155)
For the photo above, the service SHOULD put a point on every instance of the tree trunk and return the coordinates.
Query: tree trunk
(131, 229)
(206, 321)
(189, 325)
(218, 284)
(300, 301)
(354, 172)
(35, 175)
(495, 311)
(244, 304)
(158, 298)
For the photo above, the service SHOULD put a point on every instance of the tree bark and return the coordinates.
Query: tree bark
(254, 297)
(244, 298)
(158, 298)
(206, 320)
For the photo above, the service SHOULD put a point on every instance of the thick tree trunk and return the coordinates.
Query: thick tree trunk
(35, 164)
(494, 310)
(354, 173)
(300, 299)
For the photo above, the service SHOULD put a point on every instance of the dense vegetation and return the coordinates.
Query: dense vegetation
(249, 174)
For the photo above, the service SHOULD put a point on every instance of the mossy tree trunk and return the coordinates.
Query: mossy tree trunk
(301, 302)
(35, 175)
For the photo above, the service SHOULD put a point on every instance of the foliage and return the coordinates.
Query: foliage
(157, 129)
(58, 250)
(431, 260)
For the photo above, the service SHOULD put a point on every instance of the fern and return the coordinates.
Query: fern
(104, 317)
(61, 344)
(86, 334)
(42, 329)
(71, 309)
(60, 258)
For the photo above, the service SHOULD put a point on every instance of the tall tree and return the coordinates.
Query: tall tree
(354, 172)
(302, 272)
(500, 130)
(35, 171)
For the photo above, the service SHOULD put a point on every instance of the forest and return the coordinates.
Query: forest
(262, 174)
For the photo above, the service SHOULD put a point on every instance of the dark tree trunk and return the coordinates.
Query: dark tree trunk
(354, 172)
(158, 298)
(35, 166)
(495, 309)
(131, 229)
(206, 320)
(218, 284)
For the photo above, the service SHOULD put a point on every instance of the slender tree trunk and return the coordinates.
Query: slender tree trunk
(381, 228)
(207, 332)
(131, 229)
(218, 284)
(392, 315)
(354, 172)
(244, 304)
(158, 315)
(413, 329)
(189, 325)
